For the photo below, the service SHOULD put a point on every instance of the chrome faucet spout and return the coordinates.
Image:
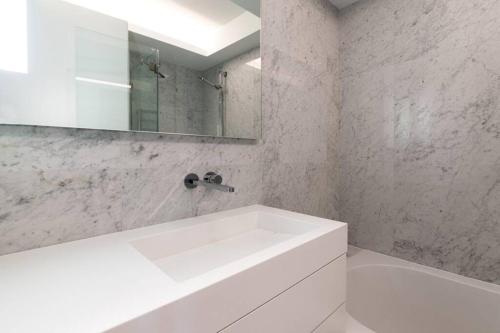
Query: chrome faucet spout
(218, 187)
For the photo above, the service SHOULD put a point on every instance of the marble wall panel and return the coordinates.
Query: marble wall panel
(419, 142)
(301, 86)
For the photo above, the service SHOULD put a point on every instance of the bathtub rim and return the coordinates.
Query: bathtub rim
(361, 258)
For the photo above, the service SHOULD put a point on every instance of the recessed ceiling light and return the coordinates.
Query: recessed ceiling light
(106, 83)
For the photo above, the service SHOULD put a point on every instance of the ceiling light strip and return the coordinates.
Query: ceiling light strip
(107, 83)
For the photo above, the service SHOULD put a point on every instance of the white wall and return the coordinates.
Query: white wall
(60, 39)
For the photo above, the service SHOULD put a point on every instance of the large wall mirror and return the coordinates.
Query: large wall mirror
(173, 66)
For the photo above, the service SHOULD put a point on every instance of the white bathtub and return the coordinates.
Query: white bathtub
(389, 295)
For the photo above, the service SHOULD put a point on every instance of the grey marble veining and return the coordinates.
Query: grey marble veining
(385, 115)
(419, 137)
(301, 86)
(58, 185)
(181, 103)
(401, 137)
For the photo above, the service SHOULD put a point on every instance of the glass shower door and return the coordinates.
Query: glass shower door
(102, 82)
(144, 64)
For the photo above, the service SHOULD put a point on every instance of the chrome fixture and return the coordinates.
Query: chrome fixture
(211, 181)
(210, 83)
(155, 68)
(153, 64)
(220, 87)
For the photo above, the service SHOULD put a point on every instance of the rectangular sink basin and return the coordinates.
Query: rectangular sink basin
(201, 247)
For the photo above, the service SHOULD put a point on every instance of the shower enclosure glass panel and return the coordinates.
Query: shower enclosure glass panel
(144, 75)
(101, 80)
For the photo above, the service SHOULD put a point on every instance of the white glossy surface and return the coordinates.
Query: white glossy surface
(199, 260)
(95, 284)
(192, 251)
(336, 323)
(302, 308)
(200, 26)
(354, 326)
(392, 295)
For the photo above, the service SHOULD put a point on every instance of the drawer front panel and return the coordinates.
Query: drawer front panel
(301, 308)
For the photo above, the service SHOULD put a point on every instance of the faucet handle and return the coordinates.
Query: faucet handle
(212, 178)
(191, 181)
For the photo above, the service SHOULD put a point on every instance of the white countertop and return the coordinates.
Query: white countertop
(82, 286)
(96, 284)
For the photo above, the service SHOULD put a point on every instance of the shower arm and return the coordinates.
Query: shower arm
(210, 83)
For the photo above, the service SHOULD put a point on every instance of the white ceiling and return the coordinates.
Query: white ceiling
(216, 13)
(253, 6)
(179, 56)
(200, 26)
(340, 4)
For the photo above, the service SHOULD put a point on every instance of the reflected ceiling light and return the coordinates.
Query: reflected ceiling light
(14, 36)
(106, 83)
(256, 63)
(172, 23)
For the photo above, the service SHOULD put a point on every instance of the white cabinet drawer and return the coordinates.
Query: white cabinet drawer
(301, 308)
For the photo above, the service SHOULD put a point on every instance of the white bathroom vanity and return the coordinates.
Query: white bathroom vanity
(253, 269)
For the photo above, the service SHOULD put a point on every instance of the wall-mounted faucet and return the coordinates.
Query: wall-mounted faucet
(211, 180)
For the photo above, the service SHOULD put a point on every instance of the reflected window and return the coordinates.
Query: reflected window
(14, 36)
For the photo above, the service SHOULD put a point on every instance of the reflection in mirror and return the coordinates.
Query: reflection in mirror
(174, 66)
